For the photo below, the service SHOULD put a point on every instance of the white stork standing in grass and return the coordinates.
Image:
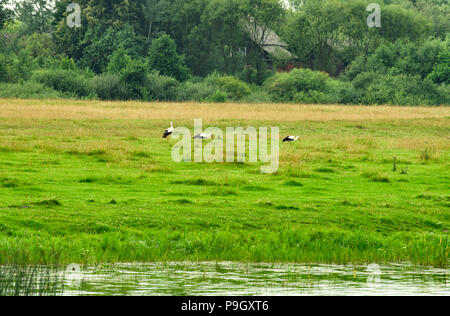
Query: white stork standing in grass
(203, 136)
(291, 139)
(169, 131)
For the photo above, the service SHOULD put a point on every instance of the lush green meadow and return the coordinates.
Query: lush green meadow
(90, 182)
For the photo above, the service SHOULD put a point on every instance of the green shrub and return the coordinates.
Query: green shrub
(3, 72)
(257, 96)
(444, 94)
(313, 97)
(160, 88)
(366, 79)
(118, 61)
(284, 87)
(234, 88)
(65, 63)
(15, 68)
(401, 57)
(251, 76)
(195, 91)
(441, 71)
(402, 90)
(28, 90)
(344, 92)
(66, 81)
(134, 78)
(109, 87)
(218, 97)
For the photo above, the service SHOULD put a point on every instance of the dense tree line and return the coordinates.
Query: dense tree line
(204, 50)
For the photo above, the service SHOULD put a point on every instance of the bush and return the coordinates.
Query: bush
(251, 76)
(312, 97)
(444, 94)
(340, 91)
(402, 90)
(160, 88)
(109, 87)
(134, 78)
(366, 79)
(218, 97)
(401, 57)
(234, 88)
(195, 91)
(15, 68)
(441, 71)
(259, 95)
(28, 90)
(118, 61)
(284, 87)
(66, 81)
(3, 72)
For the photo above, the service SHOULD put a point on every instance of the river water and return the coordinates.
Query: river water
(236, 279)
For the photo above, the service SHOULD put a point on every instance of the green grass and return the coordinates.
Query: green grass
(17, 280)
(104, 190)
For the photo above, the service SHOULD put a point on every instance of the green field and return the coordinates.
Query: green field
(92, 182)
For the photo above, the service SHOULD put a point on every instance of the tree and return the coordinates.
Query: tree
(118, 61)
(441, 71)
(153, 12)
(359, 38)
(260, 18)
(314, 34)
(401, 23)
(217, 42)
(36, 16)
(6, 15)
(100, 42)
(164, 58)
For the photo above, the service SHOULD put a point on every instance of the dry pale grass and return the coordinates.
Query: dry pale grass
(91, 110)
(419, 143)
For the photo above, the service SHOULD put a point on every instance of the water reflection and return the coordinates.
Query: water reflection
(255, 279)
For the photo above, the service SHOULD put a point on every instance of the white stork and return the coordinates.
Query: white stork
(291, 139)
(203, 136)
(169, 131)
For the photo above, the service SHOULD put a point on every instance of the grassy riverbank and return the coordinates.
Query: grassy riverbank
(89, 181)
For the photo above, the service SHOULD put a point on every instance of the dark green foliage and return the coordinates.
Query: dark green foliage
(234, 88)
(3, 71)
(402, 23)
(397, 89)
(6, 15)
(119, 61)
(148, 49)
(36, 16)
(401, 57)
(109, 87)
(100, 43)
(66, 81)
(164, 58)
(217, 97)
(195, 91)
(287, 87)
(134, 77)
(441, 70)
(160, 88)
(29, 89)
